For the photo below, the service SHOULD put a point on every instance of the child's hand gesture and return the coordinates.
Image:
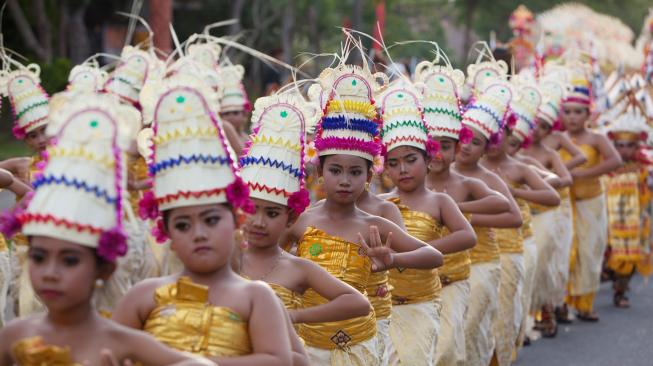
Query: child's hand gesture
(379, 253)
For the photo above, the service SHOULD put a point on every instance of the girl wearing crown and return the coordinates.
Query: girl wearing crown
(416, 294)
(273, 169)
(73, 248)
(627, 199)
(587, 196)
(347, 142)
(207, 309)
(552, 227)
(441, 85)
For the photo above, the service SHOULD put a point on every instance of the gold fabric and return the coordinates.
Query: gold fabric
(482, 312)
(344, 261)
(450, 349)
(527, 220)
(137, 169)
(628, 221)
(379, 294)
(289, 298)
(3, 244)
(586, 259)
(365, 353)
(584, 188)
(456, 266)
(33, 352)
(412, 286)
(184, 320)
(508, 321)
(510, 240)
(486, 248)
(582, 303)
(414, 331)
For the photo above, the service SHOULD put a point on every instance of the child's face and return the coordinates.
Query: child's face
(541, 130)
(626, 148)
(344, 177)
(202, 236)
(63, 273)
(263, 228)
(406, 167)
(512, 145)
(495, 150)
(237, 118)
(574, 117)
(445, 156)
(37, 140)
(472, 152)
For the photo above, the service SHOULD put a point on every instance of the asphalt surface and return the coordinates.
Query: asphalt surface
(623, 337)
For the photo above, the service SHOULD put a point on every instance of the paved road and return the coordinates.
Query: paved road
(622, 337)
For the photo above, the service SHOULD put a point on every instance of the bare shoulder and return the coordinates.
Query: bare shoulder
(151, 284)
(20, 328)
(386, 196)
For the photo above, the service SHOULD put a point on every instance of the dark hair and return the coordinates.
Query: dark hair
(324, 157)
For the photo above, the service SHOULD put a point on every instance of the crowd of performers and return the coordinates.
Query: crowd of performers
(442, 218)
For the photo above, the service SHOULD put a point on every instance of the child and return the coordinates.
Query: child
(206, 309)
(415, 325)
(73, 248)
(588, 199)
(347, 143)
(234, 104)
(441, 85)
(628, 198)
(273, 169)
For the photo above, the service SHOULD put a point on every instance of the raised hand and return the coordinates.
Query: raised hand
(379, 253)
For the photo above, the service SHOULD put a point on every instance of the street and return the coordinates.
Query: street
(621, 337)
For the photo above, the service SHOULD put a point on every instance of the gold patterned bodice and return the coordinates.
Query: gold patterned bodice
(33, 352)
(527, 219)
(345, 261)
(411, 286)
(289, 298)
(456, 267)
(486, 248)
(184, 320)
(510, 240)
(379, 293)
(585, 188)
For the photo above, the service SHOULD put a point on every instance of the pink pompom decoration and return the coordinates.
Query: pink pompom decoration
(527, 142)
(18, 132)
(148, 207)
(299, 200)
(384, 150)
(159, 232)
(511, 121)
(465, 136)
(10, 224)
(557, 125)
(238, 193)
(432, 147)
(249, 207)
(113, 244)
(495, 138)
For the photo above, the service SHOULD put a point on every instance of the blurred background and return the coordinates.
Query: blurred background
(57, 34)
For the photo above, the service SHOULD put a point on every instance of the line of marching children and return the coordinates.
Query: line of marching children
(496, 225)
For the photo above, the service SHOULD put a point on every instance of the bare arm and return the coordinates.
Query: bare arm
(558, 167)
(540, 192)
(410, 252)
(134, 308)
(510, 219)
(461, 237)
(486, 201)
(610, 162)
(146, 349)
(299, 356)
(267, 331)
(392, 213)
(344, 301)
(577, 156)
(19, 167)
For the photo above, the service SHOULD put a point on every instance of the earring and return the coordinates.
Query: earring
(320, 180)
(99, 283)
(367, 186)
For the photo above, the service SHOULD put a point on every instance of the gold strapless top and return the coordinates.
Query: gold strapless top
(184, 320)
(411, 286)
(487, 248)
(456, 267)
(538, 209)
(379, 294)
(527, 219)
(344, 261)
(585, 188)
(289, 298)
(510, 240)
(33, 352)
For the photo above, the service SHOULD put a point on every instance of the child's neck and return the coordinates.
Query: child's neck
(441, 176)
(264, 251)
(498, 158)
(337, 210)
(468, 167)
(419, 191)
(577, 133)
(79, 315)
(210, 278)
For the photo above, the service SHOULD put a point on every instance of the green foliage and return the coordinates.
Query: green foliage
(54, 76)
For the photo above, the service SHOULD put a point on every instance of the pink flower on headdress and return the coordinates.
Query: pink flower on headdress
(10, 224)
(238, 193)
(299, 200)
(511, 120)
(465, 136)
(432, 147)
(495, 138)
(18, 132)
(384, 150)
(159, 232)
(148, 207)
(378, 163)
(113, 244)
(527, 142)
